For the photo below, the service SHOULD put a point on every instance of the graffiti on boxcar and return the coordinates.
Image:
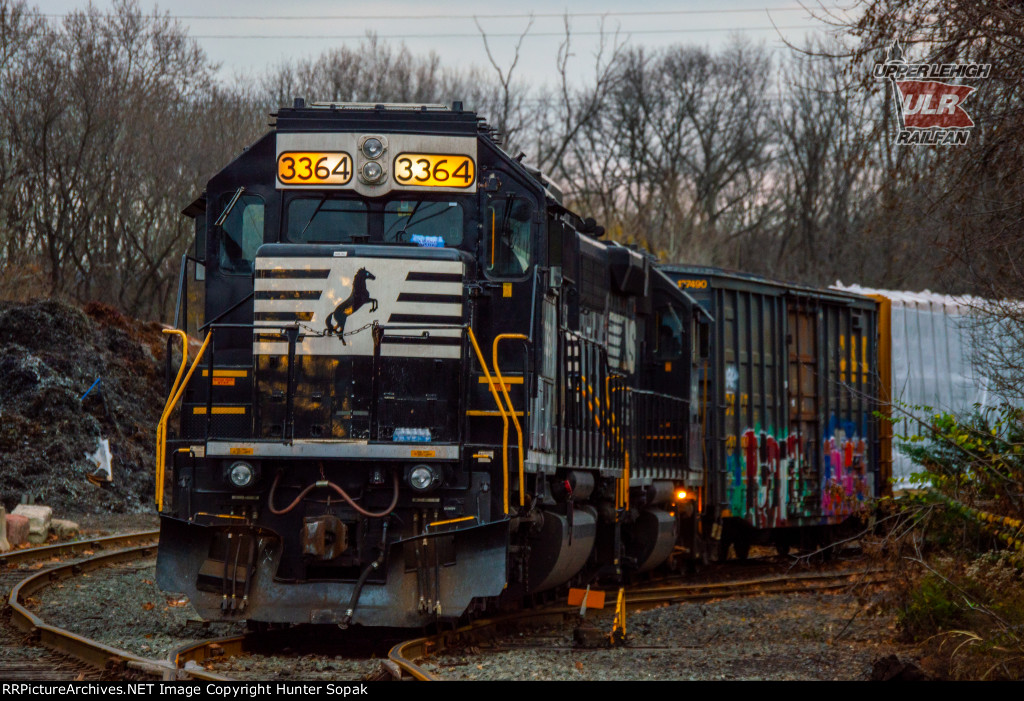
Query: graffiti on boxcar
(846, 482)
(767, 485)
(771, 481)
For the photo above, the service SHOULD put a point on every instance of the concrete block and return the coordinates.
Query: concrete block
(4, 544)
(63, 528)
(17, 529)
(39, 518)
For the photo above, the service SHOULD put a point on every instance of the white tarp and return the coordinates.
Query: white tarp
(934, 361)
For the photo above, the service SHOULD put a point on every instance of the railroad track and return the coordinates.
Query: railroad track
(31, 648)
(402, 662)
(640, 598)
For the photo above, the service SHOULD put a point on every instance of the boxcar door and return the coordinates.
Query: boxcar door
(802, 444)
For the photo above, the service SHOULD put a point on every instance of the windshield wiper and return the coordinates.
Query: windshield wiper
(231, 205)
(430, 216)
(411, 215)
(312, 216)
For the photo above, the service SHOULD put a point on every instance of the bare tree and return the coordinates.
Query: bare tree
(97, 111)
(679, 152)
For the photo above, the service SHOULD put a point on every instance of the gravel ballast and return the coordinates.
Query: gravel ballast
(791, 637)
(123, 607)
(770, 637)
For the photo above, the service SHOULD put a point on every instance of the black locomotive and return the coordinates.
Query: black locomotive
(425, 386)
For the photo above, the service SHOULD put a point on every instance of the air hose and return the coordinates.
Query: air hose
(336, 488)
(354, 601)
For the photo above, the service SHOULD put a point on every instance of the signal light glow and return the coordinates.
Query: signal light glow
(680, 495)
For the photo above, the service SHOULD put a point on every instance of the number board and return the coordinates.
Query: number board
(434, 170)
(314, 168)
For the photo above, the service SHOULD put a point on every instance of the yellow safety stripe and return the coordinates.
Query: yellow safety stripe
(220, 410)
(226, 373)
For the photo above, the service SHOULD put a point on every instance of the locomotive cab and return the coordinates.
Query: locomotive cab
(422, 384)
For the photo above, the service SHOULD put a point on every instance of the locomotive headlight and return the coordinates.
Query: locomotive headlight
(372, 148)
(372, 172)
(241, 474)
(422, 478)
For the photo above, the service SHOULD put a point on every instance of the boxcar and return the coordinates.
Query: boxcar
(788, 407)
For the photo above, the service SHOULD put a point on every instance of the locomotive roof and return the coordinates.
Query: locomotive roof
(389, 118)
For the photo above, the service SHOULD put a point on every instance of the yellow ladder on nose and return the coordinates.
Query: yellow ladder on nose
(505, 410)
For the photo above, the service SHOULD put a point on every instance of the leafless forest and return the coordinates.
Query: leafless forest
(779, 162)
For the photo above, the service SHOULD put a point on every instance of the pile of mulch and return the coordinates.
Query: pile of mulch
(51, 353)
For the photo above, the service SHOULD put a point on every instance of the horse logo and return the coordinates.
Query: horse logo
(360, 296)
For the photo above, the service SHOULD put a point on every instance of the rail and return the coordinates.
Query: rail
(404, 660)
(121, 548)
(404, 656)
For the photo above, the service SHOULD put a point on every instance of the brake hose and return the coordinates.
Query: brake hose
(339, 490)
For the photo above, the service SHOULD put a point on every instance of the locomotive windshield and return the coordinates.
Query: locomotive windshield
(421, 222)
(424, 222)
(326, 220)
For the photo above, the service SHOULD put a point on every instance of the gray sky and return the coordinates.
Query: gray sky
(447, 27)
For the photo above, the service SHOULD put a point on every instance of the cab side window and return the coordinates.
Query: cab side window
(669, 344)
(241, 233)
(508, 233)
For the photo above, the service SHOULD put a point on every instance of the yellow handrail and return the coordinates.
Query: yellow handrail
(501, 408)
(161, 425)
(625, 481)
(176, 391)
(512, 409)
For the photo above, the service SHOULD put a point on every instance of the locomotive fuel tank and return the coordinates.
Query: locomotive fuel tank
(561, 546)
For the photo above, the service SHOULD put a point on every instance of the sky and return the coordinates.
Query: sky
(248, 36)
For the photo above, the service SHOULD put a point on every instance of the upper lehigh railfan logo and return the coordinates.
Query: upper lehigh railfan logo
(930, 112)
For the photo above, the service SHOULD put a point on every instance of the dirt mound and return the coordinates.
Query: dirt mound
(51, 353)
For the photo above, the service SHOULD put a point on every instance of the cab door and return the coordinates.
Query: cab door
(510, 232)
